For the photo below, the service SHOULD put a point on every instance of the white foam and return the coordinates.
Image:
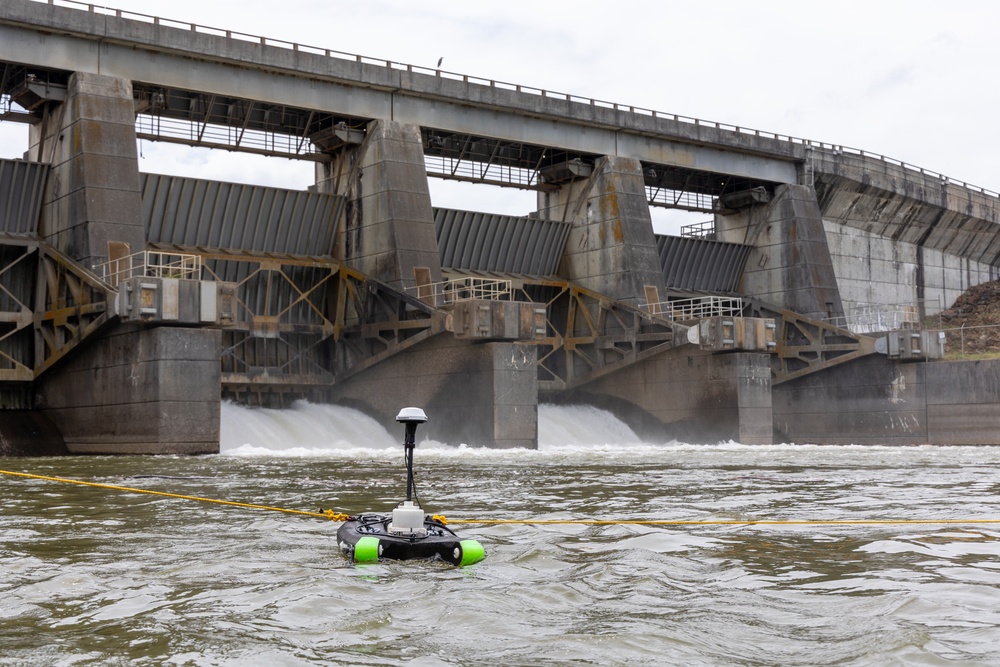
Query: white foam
(565, 433)
(305, 429)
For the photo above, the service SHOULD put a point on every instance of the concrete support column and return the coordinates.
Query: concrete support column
(483, 394)
(790, 265)
(702, 399)
(92, 197)
(139, 391)
(611, 248)
(387, 231)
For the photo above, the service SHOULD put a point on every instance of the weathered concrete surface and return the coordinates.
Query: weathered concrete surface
(963, 402)
(139, 391)
(872, 269)
(389, 225)
(92, 194)
(483, 394)
(875, 401)
(903, 205)
(611, 248)
(29, 433)
(790, 265)
(700, 398)
(871, 401)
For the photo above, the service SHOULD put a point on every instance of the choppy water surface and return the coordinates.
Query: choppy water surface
(99, 577)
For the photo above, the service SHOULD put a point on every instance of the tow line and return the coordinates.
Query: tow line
(325, 514)
(338, 516)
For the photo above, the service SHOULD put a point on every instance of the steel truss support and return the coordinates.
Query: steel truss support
(589, 335)
(806, 345)
(305, 323)
(48, 305)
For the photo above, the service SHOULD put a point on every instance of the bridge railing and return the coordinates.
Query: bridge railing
(150, 263)
(836, 149)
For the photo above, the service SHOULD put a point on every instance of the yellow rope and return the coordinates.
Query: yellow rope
(337, 516)
(718, 522)
(326, 514)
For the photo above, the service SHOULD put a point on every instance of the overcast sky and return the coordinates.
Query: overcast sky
(914, 80)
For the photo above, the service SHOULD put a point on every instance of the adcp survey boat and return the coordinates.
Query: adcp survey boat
(407, 533)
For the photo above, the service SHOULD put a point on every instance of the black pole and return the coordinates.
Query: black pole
(408, 445)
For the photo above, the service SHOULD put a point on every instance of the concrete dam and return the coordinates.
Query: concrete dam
(132, 304)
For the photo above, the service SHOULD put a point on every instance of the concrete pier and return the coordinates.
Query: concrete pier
(92, 200)
(790, 264)
(484, 394)
(139, 391)
(388, 229)
(611, 248)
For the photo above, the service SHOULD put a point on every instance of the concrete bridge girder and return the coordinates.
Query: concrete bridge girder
(170, 57)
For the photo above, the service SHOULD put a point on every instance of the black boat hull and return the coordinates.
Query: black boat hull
(366, 538)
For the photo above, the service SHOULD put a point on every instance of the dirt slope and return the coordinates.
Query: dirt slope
(978, 307)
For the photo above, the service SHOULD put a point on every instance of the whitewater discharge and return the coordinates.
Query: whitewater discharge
(308, 429)
(565, 433)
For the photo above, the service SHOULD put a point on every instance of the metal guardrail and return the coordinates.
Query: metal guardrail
(212, 135)
(150, 263)
(697, 308)
(836, 149)
(699, 230)
(455, 290)
(868, 318)
(878, 320)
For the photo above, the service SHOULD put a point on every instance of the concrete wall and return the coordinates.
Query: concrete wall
(878, 270)
(700, 398)
(875, 401)
(914, 207)
(138, 391)
(963, 402)
(481, 394)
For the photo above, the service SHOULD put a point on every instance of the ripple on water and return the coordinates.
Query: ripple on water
(95, 577)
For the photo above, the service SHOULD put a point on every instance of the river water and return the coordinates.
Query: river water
(93, 576)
